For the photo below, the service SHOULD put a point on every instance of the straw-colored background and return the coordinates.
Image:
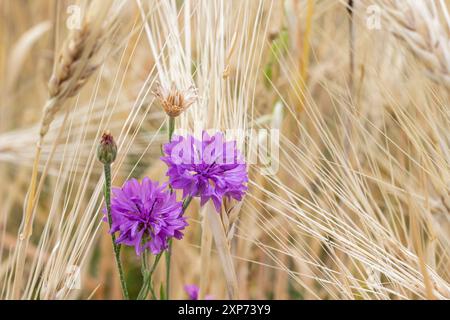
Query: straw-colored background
(359, 207)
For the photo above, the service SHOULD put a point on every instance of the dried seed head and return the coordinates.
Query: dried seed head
(175, 101)
(107, 149)
(69, 60)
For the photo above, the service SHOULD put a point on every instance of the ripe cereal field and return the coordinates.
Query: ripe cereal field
(225, 149)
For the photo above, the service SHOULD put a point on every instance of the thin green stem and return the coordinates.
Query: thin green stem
(186, 203)
(107, 170)
(168, 259)
(169, 249)
(147, 276)
(171, 127)
(153, 292)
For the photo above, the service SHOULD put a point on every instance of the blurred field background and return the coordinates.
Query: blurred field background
(359, 91)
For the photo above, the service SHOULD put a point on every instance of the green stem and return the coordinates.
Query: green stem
(147, 276)
(171, 127)
(168, 259)
(107, 170)
(186, 203)
(169, 249)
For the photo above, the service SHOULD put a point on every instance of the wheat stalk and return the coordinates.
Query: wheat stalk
(73, 68)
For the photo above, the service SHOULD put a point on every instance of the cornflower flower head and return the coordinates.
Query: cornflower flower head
(173, 100)
(193, 291)
(147, 215)
(210, 169)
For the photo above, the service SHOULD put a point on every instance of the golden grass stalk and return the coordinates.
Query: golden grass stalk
(205, 253)
(73, 68)
(224, 252)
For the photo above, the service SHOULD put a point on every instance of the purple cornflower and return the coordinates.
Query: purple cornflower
(146, 215)
(193, 292)
(209, 169)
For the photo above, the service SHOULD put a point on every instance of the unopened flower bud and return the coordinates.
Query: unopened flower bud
(107, 149)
